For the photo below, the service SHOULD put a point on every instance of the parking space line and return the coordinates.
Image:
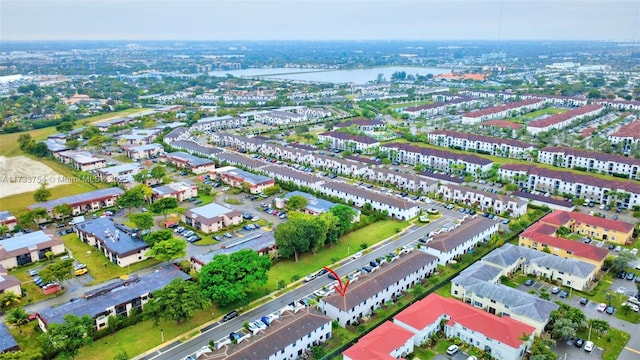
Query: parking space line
(632, 350)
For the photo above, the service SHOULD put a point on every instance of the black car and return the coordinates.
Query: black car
(622, 274)
(332, 277)
(374, 263)
(322, 272)
(230, 316)
(579, 342)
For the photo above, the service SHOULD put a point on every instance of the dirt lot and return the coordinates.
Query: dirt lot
(19, 174)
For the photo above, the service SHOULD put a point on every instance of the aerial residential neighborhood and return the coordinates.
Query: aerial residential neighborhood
(217, 190)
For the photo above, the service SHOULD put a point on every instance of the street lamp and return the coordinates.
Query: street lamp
(162, 334)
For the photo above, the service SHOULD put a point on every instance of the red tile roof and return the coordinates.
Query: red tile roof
(615, 225)
(379, 343)
(430, 309)
(554, 119)
(587, 132)
(631, 130)
(577, 248)
(503, 124)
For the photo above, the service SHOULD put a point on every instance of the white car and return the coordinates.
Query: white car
(452, 349)
(588, 346)
(357, 255)
(621, 290)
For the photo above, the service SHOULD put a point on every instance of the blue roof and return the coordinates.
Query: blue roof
(105, 231)
(25, 241)
(145, 147)
(5, 215)
(315, 204)
(7, 342)
(256, 242)
(251, 178)
(122, 294)
(194, 160)
(78, 199)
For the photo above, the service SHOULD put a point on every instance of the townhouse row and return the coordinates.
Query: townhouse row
(502, 111)
(504, 205)
(623, 194)
(609, 164)
(482, 144)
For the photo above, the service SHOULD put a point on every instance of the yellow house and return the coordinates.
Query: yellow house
(541, 236)
(614, 231)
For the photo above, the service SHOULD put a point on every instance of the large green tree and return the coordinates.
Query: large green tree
(142, 220)
(167, 250)
(18, 317)
(134, 197)
(42, 193)
(57, 272)
(297, 202)
(160, 206)
(67, 338)
(63, 211)
(156, 236)
(291, 239)
(345, 216)
(621, 261)
(33, 217)
(177, 302)
(227, 278)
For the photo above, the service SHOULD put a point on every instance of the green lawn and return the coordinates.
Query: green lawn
(123, 158)
(349, 244)
(411, 103)
(31, 293)
(613, 342)
(99, 267)
(547, 111)
(10, 141)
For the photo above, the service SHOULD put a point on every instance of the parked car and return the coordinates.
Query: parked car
(610, 310)
(229, 316)
(529, 282)
(555, 290)
(588, 346)
(563, 294)
(228, 235)
(579, 342)
(601, 307)
(452, 349)
(584, 301)
(357, 255)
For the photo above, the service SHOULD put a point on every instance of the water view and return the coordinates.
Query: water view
(357, 76)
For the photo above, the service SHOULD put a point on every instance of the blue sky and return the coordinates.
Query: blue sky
(319, 20)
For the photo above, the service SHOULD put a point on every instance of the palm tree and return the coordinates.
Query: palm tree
(9, 298)
(18, 317)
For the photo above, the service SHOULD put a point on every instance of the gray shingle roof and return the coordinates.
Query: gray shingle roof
(83, 198)
(105, 232)
(123, 294)
(7, 342)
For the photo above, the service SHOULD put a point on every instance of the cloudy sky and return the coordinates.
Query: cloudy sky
(320, 20)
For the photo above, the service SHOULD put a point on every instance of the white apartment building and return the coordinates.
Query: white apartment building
(480, 143)
(483, 200)
(372, 290)
(610, 164)
(450, 245)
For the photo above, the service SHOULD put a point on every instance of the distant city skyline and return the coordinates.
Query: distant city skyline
(608, 20)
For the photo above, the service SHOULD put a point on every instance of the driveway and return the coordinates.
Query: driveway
(632, 349)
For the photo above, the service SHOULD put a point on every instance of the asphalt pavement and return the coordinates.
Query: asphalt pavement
(216, 330)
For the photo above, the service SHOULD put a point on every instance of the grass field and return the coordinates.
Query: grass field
(99, 267)
(10, 141)
(411, 103)
(17, 204)
(547, 111)
(349, 244)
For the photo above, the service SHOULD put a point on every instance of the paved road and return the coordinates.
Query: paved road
(632, 349)
(221, 330)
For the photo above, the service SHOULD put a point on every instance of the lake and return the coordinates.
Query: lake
(357, 76)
